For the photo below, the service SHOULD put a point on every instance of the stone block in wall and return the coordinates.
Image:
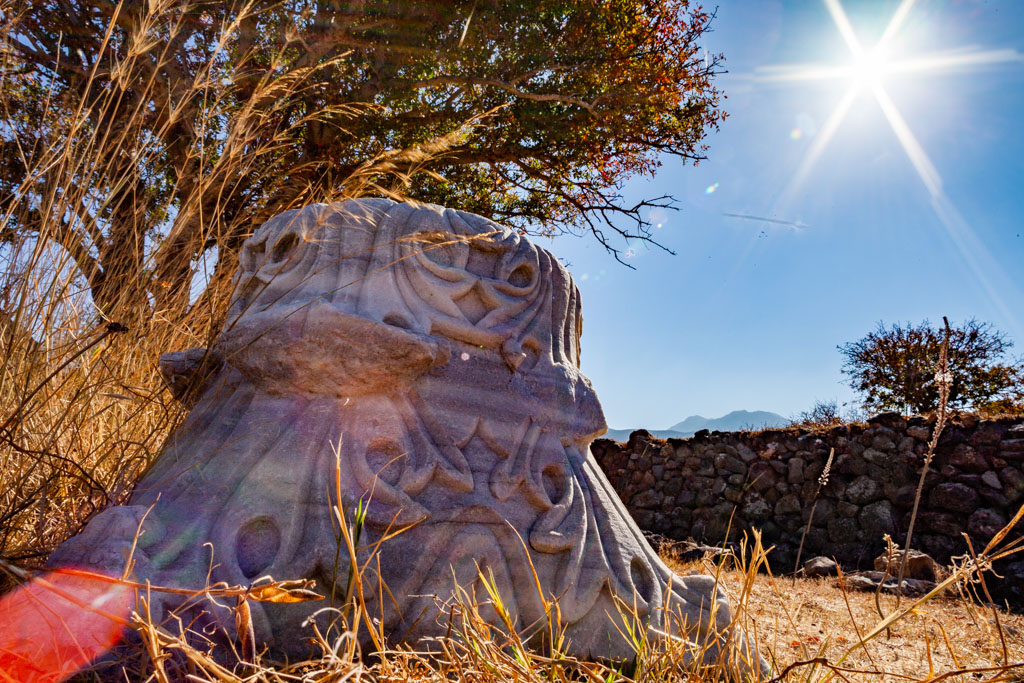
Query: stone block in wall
(647, 499)
(991, 479)
(686, 498)
(770, 532)
(877, 519)
(938, 546)
(728, 463)
(863, 490)
(891, 420)
(823, 512)
(755, 508)
(795, 472)
(842, 529)
(920, 432)
(846, 510)
(850, 464)
(893, 472)
(1012, 478)
(673, 485)
(875, 456)
(746, 453)
(985, 523)
(1012, 449)
(904, 496)
(717, 523)
(988, 434)
(993, 498)
(790, 523)
(812, 471)
(705, 497)
(883, 441)
(815, 540)
(953, 496)
(847, 553)
(762, 476)
(890, 490)
(788, 505)
(943, 523)
(966, 458)
(643, 518)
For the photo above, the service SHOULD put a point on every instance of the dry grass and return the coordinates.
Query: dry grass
(810, 618)
(83, 413)
(810, 630)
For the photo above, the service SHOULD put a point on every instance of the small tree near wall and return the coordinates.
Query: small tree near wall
(894, 367)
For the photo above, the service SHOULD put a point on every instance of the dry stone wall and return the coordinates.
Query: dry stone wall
(693, 487)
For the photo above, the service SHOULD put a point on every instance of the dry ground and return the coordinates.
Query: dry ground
(809, 629)
(811, 618)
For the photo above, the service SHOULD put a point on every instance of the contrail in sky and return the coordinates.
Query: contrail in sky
(796, 225)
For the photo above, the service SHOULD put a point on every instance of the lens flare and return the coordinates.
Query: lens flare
(710, 189)
(58, 623)
(796, 134)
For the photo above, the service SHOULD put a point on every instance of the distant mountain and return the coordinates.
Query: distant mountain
(733, 422)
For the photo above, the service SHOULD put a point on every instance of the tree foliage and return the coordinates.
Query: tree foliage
(822, 414)
(141, 134)
(894, 368)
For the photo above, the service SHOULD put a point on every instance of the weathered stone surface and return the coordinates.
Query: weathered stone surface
(919, 565)
(967, 476)
(877, 519)
(819, 566)
(870, 581)
(864, 490)
(432, 357)
(954, 496)
(787, 505)
(985, 523)
(991, 479)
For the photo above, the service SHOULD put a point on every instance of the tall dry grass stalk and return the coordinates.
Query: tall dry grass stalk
(944, 379)
(822, 483)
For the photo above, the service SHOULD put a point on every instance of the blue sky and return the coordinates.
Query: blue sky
(900, 226)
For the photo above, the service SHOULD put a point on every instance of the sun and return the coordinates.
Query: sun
(867, 73)
(869, 68)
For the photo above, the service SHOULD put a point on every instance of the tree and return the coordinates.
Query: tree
(894, 368)
(822, 414)
(142, 134)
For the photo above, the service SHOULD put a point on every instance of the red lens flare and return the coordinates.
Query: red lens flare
(59, 623)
